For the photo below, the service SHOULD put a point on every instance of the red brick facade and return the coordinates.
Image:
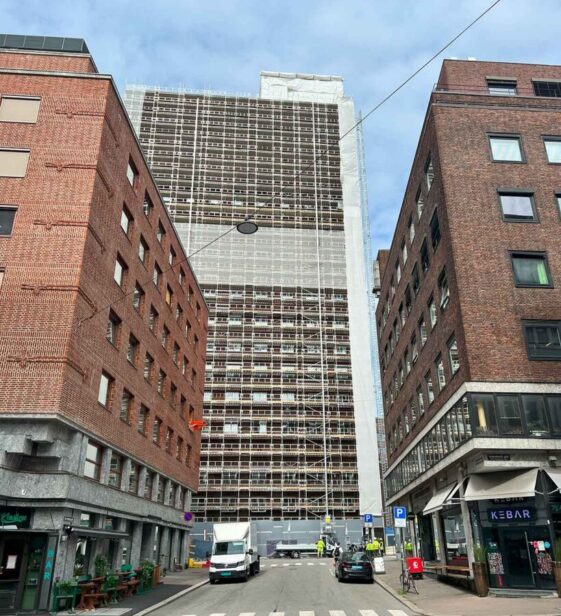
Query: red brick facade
(486, 308)
(59, 263)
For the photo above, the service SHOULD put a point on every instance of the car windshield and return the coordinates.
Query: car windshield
(355, 556)
(222, 548)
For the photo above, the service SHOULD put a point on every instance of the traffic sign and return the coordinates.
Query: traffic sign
(368, 518)
(400, 517)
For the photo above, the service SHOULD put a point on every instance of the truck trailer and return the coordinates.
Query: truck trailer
(234, 552)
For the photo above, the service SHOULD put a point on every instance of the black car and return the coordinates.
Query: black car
(354, 566)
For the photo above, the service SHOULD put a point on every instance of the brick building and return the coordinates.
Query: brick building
(103, 331)
(469, 324)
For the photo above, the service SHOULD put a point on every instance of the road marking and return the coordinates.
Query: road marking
(298, 564)
(307, 613)
(247, 613)
(322, 564)
(274, 566)
(368, 613)
(276, 614)
(337, 613)
(286, 565)
(219, 614)
(311, 564)
(397, 612)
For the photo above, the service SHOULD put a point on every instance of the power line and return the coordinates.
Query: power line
(320, 157)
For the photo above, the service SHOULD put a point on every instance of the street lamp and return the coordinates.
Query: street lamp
(247, 227)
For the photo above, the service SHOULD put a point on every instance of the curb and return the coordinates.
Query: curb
(408, 604)
(177, 595)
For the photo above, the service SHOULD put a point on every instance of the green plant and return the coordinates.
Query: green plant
(101, 565)
(112, 581)
(147, 571)
(65, 587)
(479, 554)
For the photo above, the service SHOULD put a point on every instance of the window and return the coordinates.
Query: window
(415, 280)
(115, 470)
(120, 273)
(485, 416)
(425, 261)
(443, 288)
(501, 87)
(148, 366)
(411, 229)
(453, 356)
(126, 406)
(157, 275)
(535, 415)
(171, 256)
(505, 149)
(2, 272)
(435, 230)
(508, 416)
(554, 412)
(231, 396)
(133, 478)
(182, 406)
(160, 233)
(172, 495)
(547, 88)
(106, 387)
(143, 250)
(148, 206)
(178, 448)
(420, 400)
(169, 295)
(148, 483)
(132, 174)
(7, 216)
(181, 276)
(126, 221)
(156, 430)
(419, 204)
(553, 149)
(153, 319)
(543, 339)
(132, 351)
(517, 207)
(422, 331)
(143, 417)
(440, 373)
(429, 172)
(13, 163)
(414, 349)
(231, 428)
(165, 337)
(113, 328)
(161, 382)
(430, 389)
(530, 270)
(178, 313)
(432, 312)
(189, 451)
(138, 298)
(169, 440)
(92, 468)
(259, 396)
(175, 353)
(19, 109)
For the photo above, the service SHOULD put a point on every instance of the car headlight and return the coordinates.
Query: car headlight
(242, 562)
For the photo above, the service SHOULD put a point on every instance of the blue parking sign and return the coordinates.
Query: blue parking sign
(400, 517)
(368, 518)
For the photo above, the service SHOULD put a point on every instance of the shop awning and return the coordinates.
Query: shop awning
(555, 476)
(439, 499)
(98, 532)
(504, 484)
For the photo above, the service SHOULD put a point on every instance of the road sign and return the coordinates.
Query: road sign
(368, 518)
(400, 517)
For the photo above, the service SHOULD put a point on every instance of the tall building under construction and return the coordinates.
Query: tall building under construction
(290, 396)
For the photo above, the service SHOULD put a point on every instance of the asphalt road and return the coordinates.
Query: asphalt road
(301, 588)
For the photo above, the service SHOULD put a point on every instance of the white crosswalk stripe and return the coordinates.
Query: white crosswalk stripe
(286, 565)
(247, 613)
(322, 564)
(336, 613)
(397, 612)
(298, 564)
(307, 613)
(276, 614)
(273, 566)
(311, 564)
(368, 613)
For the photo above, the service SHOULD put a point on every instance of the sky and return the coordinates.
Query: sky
(374, 45)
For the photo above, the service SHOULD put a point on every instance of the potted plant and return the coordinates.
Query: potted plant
(146, 574)
(480, 571)
(557, 564)
(101, 566)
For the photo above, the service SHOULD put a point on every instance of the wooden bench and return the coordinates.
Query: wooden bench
(94, 599)
(452, 571)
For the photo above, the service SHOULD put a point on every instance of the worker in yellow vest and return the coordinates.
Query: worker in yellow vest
(320, 547)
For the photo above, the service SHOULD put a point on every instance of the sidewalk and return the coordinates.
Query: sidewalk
(173, 583)
(441, 599)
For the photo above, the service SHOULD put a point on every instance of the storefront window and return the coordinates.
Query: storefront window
(485, 419)
(455, 536)
(92, 467)
(86, 520)
(534, 413)
(554, 410)
(508, 415)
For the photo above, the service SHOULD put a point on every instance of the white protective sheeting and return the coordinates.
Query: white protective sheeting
(504, 484)
(440, 499)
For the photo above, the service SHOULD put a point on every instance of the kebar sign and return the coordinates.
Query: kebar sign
(511, 514)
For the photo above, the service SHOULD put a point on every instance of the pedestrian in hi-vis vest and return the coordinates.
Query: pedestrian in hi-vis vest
(320, 547)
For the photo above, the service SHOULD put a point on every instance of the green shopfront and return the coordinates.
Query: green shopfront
(26, 562)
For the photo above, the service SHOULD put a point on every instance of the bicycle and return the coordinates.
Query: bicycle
(407, 582)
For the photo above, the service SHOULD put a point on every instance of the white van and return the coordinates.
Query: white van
(234, 552)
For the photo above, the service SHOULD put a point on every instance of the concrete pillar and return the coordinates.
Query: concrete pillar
(437, 525)
(178, 497)
(105, 463)
(174, 548)
(141, 481)
(147, 543)
(155, 482)
(136, 544)
(167, 490)
(165, 547)
(125, 475)
(183, 551)
(466, 519)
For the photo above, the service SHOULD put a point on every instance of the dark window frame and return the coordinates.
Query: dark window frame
(545, 138)
(507, 192)
(528, 253)
(12, 208)
(513, 136)
(526, 324)
(435, 230)
(555, 82)
(497, 82)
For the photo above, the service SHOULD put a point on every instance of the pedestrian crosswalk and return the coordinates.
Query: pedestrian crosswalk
(313, 613)
(291, 564)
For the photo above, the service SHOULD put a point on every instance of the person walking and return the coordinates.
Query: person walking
(320, 547)
(408, 547)
(336, 553)
(381, 547)
(376, 547)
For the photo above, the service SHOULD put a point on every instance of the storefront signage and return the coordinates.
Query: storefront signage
(511, 514)
(15, 518)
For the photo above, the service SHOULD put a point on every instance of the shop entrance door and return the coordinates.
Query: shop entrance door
(12, 554)
(519, 567)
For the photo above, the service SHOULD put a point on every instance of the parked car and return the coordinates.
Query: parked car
(354, 566)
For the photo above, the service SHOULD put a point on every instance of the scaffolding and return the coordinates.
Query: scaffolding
(280, 441)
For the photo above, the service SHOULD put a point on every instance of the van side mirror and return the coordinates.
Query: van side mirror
(250, 552)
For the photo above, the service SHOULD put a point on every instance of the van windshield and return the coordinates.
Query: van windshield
(229, 547)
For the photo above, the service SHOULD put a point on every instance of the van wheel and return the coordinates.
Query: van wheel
(257, 567)
(295, 554)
